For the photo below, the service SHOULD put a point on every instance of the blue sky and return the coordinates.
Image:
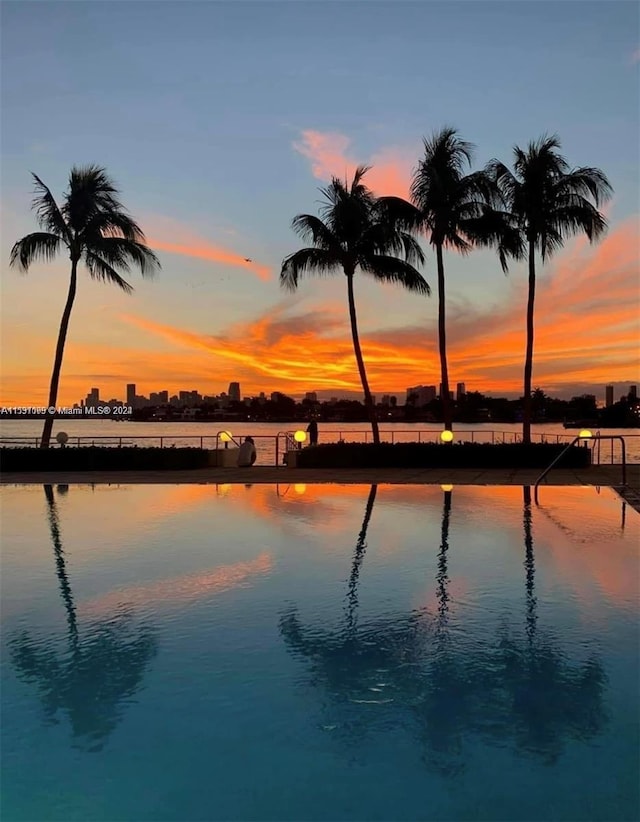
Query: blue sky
(195, 107)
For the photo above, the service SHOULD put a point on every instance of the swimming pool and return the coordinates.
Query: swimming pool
(318, 652)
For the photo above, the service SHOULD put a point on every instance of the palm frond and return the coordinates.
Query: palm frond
(572, 218)
(124, 254)
(99, 269)
(497, 229)
(384, 238)
(37, 246)
(392, 270)
(112, 224)
(311, 228)
(317, 261)
(90, 191)
(47, 210)
(586, 182)
(400, 213)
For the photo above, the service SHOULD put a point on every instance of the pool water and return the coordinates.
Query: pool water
(319, 652)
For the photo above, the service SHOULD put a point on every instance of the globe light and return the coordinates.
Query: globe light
(300, 436)
(62, 438)
(585, 434)
(446, 436)
(300, 488)
(226, 438)
(447, 487)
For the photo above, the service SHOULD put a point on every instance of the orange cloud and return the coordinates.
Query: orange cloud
(390, 173)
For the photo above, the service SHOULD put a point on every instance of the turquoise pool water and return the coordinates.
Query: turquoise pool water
(318, 653)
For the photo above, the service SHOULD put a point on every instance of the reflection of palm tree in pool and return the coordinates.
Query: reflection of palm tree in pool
(448, 686)
(103, 666)
(358, 556)
(549, 700)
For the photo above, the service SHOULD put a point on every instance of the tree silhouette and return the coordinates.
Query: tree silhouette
(358, 231)
(102, 667)
(444, 686)
(549, 202)
(458, 211)
(547, 700)
(93, 226)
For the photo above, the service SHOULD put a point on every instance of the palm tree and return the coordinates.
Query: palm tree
(102, 669)
(358, 230)
(95, 229)
(549, 202)
(456, 210)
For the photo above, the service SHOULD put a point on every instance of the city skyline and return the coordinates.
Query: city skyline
(215, 188)
(606, 396)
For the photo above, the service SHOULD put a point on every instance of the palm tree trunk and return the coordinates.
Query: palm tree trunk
(361, 545)
(528, 360)
(61, 570)
(57, 363)
(529, 564)
(368, 400)
(445, 401)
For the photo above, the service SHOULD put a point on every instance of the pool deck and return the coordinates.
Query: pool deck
(600, 475)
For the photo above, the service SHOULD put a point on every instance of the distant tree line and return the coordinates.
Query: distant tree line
(472, 407)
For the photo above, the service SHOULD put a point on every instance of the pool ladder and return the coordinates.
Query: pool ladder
(597, 439)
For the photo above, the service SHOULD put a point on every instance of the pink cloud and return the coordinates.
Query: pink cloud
(329, 155)
(167, 234)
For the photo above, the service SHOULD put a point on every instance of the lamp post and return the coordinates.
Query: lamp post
(446, 436)
(300, 437)
(226, 438)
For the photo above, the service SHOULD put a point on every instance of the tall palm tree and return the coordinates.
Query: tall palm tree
(93, 226)
(549, 202)
(456, 209)
(357, 231)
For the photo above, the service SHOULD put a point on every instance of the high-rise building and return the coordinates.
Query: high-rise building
(460, 391)
(608, 396)
(93, 397)
(163, 397)
(131, 393)
(633, 393)
(421, 395)
(234, 391)
(311, 396)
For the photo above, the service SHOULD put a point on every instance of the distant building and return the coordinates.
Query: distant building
(633, 393)
(385, 399)
(311, 396)
(460, 391)
(93, 398)
(189, 398)
(234, 391)
(131, 393)
(608, 396)
(421, 395)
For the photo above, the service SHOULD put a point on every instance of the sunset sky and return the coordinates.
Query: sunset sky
(220, 121)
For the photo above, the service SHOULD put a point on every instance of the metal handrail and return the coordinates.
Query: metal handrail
(571, 444)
